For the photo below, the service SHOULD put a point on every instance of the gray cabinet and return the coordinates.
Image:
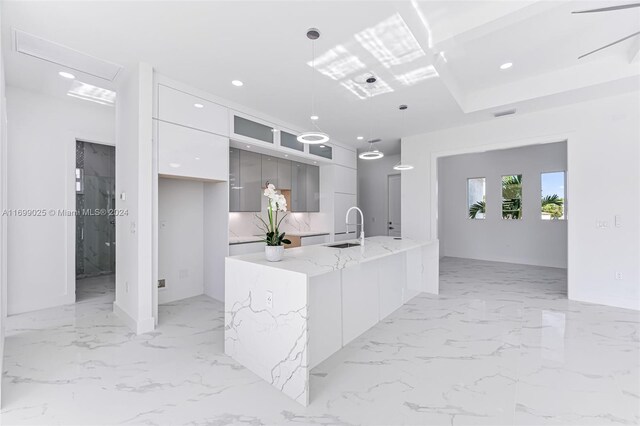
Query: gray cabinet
(249, 172)
(234, 180)
(270, 171)
(298, 187)
(313, 188)
(249, 189)
(284, 174)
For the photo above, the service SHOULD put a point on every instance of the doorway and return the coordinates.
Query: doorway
(394, 228)
(95, 222)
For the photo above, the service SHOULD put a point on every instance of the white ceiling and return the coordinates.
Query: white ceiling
(208, 44)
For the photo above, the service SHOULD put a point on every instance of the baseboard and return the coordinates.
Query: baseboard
(138, 326)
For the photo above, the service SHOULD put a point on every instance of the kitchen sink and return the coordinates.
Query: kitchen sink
(344, 245)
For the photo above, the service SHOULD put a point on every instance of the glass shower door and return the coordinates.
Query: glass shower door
(95, 198)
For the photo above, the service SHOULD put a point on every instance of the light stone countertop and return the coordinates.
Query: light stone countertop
(319, 259)
(257, 238)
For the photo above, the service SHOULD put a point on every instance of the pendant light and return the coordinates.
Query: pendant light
(313, 137)
(399, 166)
(372, 153)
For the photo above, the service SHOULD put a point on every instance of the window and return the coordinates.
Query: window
(512, 197)
(552, 193)
(476, 192)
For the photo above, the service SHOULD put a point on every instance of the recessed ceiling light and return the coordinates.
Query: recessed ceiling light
(237, 83)
(66, 75)
(314, 117)
(198, 105)
(506, 66)
(360, 138)
(315, 162)
(323, 146)
(286, 155)
(248, 146)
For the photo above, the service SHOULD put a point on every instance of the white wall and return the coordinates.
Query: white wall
(42, 133)
(3, 198)
(134, 178)
(216, 241)
(603, 160)
(373, 183)
(529, 240)
(180, 238)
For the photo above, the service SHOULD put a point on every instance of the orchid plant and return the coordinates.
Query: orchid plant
(277, 203)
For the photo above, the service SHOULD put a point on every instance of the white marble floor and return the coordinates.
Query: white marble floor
(100, 287)
(499, 345)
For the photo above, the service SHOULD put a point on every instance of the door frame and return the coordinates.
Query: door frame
(386, 224)
(70, 205)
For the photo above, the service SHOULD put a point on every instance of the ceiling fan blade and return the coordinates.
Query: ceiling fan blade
(608, 9)
(610, 44)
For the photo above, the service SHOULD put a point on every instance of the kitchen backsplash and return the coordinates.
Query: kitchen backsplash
(246, 224)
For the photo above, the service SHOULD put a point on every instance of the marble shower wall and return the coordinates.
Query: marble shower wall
(95, 234)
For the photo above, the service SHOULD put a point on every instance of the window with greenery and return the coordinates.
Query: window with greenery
(512, 197)
(476, 193)
(552, 190)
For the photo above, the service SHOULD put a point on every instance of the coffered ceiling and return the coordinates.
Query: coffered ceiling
(442, 58)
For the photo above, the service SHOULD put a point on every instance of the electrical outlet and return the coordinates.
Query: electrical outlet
(618, 276)
(269, 299)
(162, 283)
(617, 221)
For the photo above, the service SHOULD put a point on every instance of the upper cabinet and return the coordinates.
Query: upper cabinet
(270, 171)
(190, 153)
(324, 151)
(313, 188)
(284, 174)
(290, 141)
(250, 190)
(184, 109)
(250, 129)
(249, 172)
(298, 187)
(234, 180)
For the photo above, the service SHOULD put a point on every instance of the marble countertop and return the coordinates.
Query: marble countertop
(319, 259)
(245, 239)
(257, 238)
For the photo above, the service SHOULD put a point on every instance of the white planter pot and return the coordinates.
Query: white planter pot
(274, 253)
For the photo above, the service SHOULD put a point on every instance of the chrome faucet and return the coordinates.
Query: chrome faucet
(356, 224)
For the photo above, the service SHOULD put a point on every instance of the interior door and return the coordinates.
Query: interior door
(394, 228)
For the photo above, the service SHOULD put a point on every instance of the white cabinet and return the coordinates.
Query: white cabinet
(325, 317)
(182, 108)
(360, 300)
(313, 240)
(346, 180)
(392, 282)
(345, 157)
(342, 203)
(245, 248)
(189, 153)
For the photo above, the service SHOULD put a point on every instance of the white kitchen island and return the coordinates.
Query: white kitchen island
(284, 318)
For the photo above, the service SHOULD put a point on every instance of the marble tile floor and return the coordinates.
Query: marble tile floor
(99, 287)
(500, 345)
